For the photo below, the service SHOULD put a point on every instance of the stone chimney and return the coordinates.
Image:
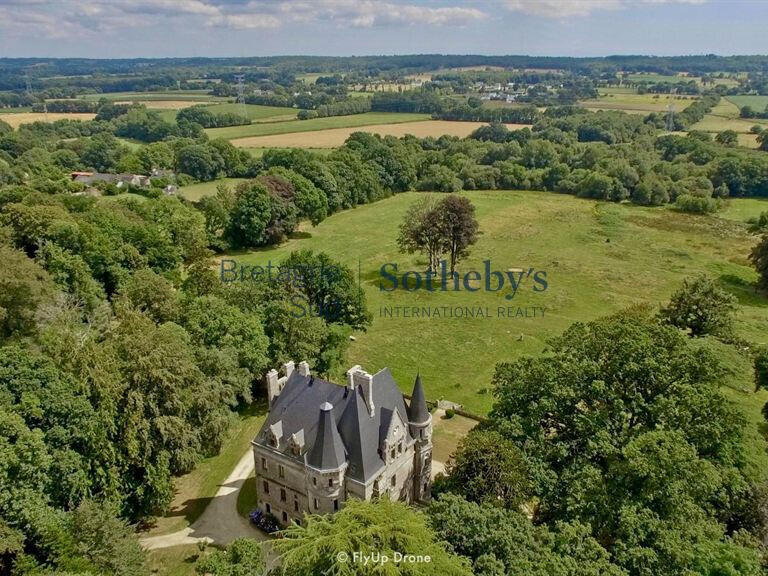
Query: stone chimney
(351, 376)
(273, 386)
(304, 368)
(288, 368)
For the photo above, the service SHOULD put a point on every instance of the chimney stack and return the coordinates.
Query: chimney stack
(304, 368)
(288, 368)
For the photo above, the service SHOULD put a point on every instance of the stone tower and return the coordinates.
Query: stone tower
(420, 424)
(326, 464)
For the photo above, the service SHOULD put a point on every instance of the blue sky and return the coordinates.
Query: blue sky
(154, 28)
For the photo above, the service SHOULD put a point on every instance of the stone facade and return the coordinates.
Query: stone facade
(323, 443)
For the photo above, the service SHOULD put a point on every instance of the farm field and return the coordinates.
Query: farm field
(16, 120)
(620, 99)
(255, 112)
(354, 120)
(334, 137)
(599, 258)
(758, 103)
(188, 95)
(725, 116)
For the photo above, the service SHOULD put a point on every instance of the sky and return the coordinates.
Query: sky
(170, 28)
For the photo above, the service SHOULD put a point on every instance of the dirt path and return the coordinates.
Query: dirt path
(220, 522)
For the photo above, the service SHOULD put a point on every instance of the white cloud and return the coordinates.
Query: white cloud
(571, 8)
(66, 18)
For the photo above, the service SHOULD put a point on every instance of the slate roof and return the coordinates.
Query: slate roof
(328, 452)
(347, 428)
(418, 412)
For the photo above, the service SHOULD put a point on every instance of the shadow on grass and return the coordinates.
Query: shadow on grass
(746, 292)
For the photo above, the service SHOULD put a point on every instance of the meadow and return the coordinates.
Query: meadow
(599, 258)
(627, 100)
(255, 112)
(354, 120)
(725, 116)
(333, 137)
(186, 95)
(758, 103)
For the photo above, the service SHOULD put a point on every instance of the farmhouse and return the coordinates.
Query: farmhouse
(323, 443)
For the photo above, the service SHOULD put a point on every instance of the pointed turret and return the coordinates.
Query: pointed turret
(327, 452)
(418, 412)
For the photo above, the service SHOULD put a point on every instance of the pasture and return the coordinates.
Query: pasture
(628, 101)
(353, 120)
(599, 258)
(186, 95)
(757, 103)
(725, 116)
(194, 192)
(334, 137)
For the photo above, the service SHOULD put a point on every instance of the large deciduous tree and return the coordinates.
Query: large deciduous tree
(326, 544)
(701, 307)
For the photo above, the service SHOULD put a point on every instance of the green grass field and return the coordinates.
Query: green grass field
(265, 129)
(725, 116)
(627, 101)
(196, 191)
(255, 112)
(758, 103)
(598, 257)
(189, 95)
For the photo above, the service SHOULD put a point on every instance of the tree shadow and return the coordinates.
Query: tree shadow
(747, 293)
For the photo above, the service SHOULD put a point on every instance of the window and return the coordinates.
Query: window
(282, 494)
(316, 504)
(295, 505)
(314, 480)
(298, 522)
(426, 487)
(393, 481)
(330, 482)
(400, 447)
(335, 505)
(392, 454)
(264, 464)
(281, 471)
(266, 487)
(269, 508)
(285, 517)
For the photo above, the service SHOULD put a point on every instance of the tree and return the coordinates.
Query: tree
(250, 216)
(384, 527)
(458, 226)
(702, 308)
(242, 557)
(494, 538)
(759, 258)
(200, 161)
(625, 429)
(727, 138)
(24, 287)
(420, 231)
(329, 287)
(487, 467)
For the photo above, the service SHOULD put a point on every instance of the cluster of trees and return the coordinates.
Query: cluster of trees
(689, 116)
(341, 108)
(70, 106)
(201, 115)
(125, 359)
(749, 112)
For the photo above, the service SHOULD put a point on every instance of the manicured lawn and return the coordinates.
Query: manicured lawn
(267, 128)
(196, 191)
(598, 257)
(195, 490)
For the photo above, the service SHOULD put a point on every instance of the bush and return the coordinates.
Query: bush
(695, 204)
